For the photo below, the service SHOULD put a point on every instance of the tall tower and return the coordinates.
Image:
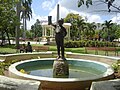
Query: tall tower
(57, 13)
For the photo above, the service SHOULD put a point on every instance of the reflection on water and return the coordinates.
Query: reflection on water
(74, 72)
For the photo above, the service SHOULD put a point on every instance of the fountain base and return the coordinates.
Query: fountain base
(60, 68)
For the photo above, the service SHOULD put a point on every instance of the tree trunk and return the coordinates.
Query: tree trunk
(3, 39)
(18, 26)
(8, 36)
(25, 25)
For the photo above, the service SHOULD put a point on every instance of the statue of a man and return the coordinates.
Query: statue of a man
(60, 33)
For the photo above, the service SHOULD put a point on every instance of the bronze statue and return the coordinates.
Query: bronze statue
(60, 33)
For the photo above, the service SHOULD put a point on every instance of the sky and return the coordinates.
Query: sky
(98, 13)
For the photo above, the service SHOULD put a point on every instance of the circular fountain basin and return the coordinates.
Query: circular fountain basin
(81, 73)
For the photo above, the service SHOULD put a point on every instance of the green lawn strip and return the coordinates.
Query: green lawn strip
(7, 50)
(74, 50)
(10, 49)
(37, 45)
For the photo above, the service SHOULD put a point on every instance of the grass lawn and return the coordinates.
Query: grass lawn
(74, 50)
(82, 51)
(9, 49)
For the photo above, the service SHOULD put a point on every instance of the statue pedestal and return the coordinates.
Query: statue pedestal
(60, 68)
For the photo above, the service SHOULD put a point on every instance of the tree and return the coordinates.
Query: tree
(80, 25)
(117, 33)
(73, 18)
(109, 4)
(36, 29)
(26, 14)
(89, 30)
(18, 10)
(107, 27)
(87, 2)
(8, 19)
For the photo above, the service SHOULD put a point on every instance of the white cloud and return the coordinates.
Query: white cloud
(34, 18)
(47, 5)
(63, 12)
(97, 7)
(98, 12)
(93, 13)
(116, 19)
(95, 18)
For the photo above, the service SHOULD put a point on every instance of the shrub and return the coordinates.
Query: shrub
(88, 43)
(4, 66)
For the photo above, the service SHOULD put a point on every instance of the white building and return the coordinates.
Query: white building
(48, 31)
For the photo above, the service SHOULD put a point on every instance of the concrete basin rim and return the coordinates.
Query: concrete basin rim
(13, 69)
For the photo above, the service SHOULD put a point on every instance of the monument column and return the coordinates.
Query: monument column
(57, 13)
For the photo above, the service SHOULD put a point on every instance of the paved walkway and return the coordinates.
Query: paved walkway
(1, 60)
(25, 42)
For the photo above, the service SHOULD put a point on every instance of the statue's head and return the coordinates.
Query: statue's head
(60, 22)
(28, 43)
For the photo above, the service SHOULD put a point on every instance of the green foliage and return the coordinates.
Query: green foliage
(87, 2)
(88, 43)
(117, 33)
(8, 18)
(7, 49)
(77, 25)
(36, 29)
(116, 66)
(23, 71)
(81, 30)
(109, 4)
(5, 65)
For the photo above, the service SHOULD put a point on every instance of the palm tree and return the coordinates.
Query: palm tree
(89, 30)
(73, 32)
(18, 10)
(36, 29)
(107, 27)
(80, 25)
(26, 14)
(18, 26)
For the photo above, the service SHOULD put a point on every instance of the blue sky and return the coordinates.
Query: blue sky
(43, 8)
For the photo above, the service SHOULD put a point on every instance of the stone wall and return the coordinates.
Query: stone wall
(7, 83)
(106, 85)
(25, 56)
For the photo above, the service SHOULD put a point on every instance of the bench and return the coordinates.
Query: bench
(106, 49)
(91, 48)
(40, 48)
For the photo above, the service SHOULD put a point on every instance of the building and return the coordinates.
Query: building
(48, 31)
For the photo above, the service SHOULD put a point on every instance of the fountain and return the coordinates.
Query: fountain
(62, 73)
(81, 73)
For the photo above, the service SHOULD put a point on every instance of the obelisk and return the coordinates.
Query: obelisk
(57, 13)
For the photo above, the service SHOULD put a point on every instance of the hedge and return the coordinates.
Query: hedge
(88, 43)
